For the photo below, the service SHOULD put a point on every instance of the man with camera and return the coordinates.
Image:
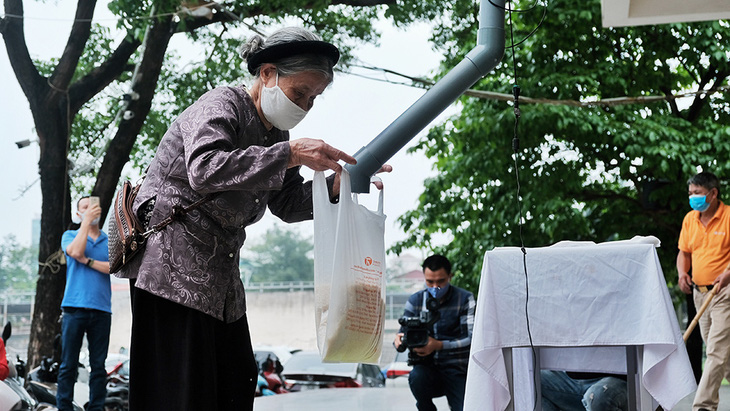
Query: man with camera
(437, 326)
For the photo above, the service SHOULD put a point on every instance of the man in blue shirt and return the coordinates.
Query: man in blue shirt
(86, 306)
(449, 338)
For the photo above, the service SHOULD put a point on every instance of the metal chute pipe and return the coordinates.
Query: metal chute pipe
(477, 63)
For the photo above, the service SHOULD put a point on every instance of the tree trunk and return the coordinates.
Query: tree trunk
(117, 155)
(54, 102)
(52, 126)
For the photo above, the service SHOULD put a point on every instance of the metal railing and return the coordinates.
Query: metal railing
(394, 286)
(17, 307)
(397, 292)
(280, 286)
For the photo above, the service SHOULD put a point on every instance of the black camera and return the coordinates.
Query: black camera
(416, 331)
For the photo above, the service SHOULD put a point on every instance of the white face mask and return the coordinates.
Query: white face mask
(78, 217)
(278, 109)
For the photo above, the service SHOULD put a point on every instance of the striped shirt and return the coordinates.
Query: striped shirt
(454, 327)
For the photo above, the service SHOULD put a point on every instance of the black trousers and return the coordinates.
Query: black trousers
(184, 360)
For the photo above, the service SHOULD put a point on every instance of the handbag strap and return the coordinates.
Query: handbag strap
(178, 212)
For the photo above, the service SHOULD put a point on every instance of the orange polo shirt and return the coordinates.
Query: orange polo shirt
(709, 246)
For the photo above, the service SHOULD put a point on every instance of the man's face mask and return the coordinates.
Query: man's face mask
(283, 113)
(438, 292)
(699, 202)
(78, 217)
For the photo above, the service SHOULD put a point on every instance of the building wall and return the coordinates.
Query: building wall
(275, 318)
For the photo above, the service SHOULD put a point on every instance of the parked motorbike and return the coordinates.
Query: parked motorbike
(13, 397)
(42, 384)
(270, 369)
(117, 387)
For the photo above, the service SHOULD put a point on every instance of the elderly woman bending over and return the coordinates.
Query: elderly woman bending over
(191, 348)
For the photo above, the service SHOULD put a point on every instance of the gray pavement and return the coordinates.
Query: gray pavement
(396, 397)
(686, 403)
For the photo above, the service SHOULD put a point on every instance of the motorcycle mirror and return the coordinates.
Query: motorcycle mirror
(7, 331)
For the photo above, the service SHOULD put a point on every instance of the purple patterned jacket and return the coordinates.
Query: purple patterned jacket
(217, 145)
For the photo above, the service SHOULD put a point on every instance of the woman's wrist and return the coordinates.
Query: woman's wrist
(89, 262)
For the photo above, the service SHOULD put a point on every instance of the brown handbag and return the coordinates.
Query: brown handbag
(127, 235)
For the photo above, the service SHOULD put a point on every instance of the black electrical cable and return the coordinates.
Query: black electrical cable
(515, 10)
(515, 149)
(510, 10)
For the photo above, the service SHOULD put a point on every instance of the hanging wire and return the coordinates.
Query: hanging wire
(26, 189)
(490, 95)
(516, 148)
(510, 10)
(217, 41)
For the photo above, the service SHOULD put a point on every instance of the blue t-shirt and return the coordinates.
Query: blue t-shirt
(86, 287)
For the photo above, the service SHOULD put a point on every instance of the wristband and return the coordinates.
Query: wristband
(90, 262)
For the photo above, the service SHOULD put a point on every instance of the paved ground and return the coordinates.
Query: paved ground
(686, 404)
(395, 397)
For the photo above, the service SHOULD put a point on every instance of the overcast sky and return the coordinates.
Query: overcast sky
(348, 115)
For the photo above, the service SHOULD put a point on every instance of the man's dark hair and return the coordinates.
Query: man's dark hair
(707, 180)
(79, 201)
(437, 262)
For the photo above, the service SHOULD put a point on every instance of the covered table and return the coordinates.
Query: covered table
(601, 298)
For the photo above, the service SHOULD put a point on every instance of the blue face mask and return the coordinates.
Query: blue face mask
(438, 292)
(699, 202)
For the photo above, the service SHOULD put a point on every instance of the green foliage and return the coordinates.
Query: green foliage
(181, 85)
(17, 265)
(211, 59)
(280, 255)
(598, 173)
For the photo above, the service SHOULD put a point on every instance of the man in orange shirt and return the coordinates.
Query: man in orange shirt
(704, 247)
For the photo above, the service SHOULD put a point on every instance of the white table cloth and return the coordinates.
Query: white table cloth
(580, 295)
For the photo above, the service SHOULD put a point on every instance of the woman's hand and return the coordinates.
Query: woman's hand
(386, 168)
(317, 155)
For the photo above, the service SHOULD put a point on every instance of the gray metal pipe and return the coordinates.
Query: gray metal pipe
(477, 63)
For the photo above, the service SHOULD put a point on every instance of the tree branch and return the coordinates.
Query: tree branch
(588, 195)
(364, 3)
(91, 84)
(80, 32)
(25, 71)
(687, 69)
(225, 15)
(671, 100)
(699, 101)
(117, 154)
(192, 23)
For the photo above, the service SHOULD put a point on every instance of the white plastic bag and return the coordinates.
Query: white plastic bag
(349, 280)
